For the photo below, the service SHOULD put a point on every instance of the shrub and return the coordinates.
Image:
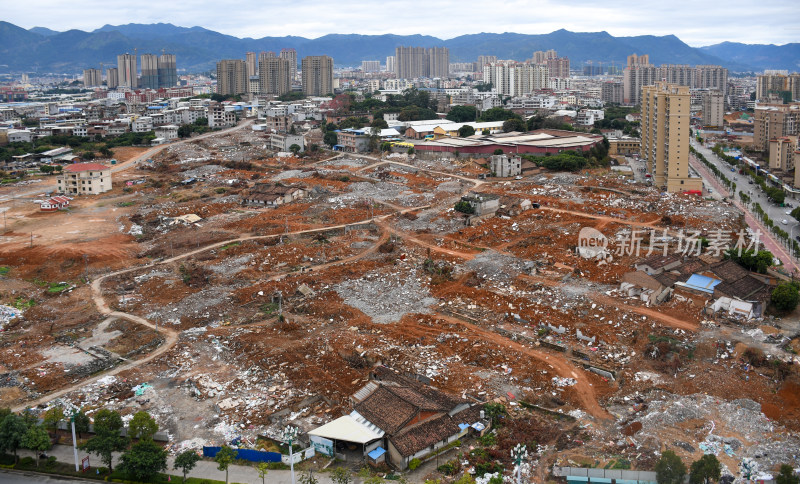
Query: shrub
(414, 463)
(27, 461)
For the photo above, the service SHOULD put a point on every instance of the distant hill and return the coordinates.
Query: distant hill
(197, 49)
(759, 56)
(43, 31)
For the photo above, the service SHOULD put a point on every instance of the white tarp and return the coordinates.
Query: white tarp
(348, 429)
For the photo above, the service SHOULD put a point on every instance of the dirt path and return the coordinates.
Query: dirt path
(559, 364)
(170, 335)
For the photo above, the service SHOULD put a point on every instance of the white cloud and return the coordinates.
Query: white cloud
(773, 21)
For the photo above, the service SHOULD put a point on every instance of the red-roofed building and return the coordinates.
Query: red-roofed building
(55, 203)
(85, 179)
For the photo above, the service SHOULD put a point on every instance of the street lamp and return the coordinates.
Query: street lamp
(519, 454)
(289, 434)
(74, 440)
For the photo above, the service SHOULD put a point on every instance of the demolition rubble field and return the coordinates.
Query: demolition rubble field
(265, 316)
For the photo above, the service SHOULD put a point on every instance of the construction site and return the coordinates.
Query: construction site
(230, 291)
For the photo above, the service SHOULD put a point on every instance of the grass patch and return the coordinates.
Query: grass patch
(126, 204)
(231, 245)
(21, 303)
(58, 287)
(4, 270)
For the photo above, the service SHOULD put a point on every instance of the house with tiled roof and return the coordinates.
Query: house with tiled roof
(84, 179)
(399, 418)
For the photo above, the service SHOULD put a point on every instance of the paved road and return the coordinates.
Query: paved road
(13, 477)
(775, 213)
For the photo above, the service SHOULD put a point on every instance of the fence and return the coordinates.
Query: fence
(246, 454)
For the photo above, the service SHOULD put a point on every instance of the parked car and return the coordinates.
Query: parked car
(785, 222)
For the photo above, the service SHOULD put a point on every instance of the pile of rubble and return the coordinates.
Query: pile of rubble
(386, 297)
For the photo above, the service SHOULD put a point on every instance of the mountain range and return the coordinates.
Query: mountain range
(197, 49)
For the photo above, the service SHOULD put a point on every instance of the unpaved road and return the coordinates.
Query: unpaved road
(559, 365)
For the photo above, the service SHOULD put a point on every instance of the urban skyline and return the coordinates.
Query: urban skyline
(772, 23)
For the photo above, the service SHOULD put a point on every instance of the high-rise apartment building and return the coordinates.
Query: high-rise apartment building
(515, 79)
(612, 92)
(127, 72)
(149, 79)
(484, 60)
(680, 74)
(232, 77)
(666, 119)
(774, 121)
(558, 67)
(252, 64)
(291, 56)
(317, 74)
(413, 62)
(167, 71)
(638, 73)
(390, 63)
(438, 62)
(274, 76)
(713, 108)
(92, 77)
(371, 66)
(541, 57)
(711, 77)
(112, 77)
(410, 62)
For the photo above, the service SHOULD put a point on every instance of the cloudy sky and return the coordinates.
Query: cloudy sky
(697, 23)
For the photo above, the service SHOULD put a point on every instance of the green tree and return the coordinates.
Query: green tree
(670, 469)
(705, 470)
(184, 131)
(379, 123)
(494, 411)
(295, 148)
(330, 138)
(52, 417)
(263, 469)
(785, 296)
(514, 124)
(12, 431)
(465, 131)
(81, 423)
(29, 417)
(224, 459)
(144, 460)
(186, 461)
(308, 478)
(498, 151)
(107, 438)
(340, 475)
(464, 207)
(410, 150)
(497, 114)
(787, 476)
(37, 440)
(4, 412)
(462, 114)
(142, 426)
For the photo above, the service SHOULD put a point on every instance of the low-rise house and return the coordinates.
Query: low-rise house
(504, 166)
(54, 203)
(646, 287)
(404, 416)
(482, 203)
(658, 263)
(284, 142)
(269, 195)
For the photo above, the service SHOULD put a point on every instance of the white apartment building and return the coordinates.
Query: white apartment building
(84, 179)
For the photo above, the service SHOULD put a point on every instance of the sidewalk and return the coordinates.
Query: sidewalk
(203, 470)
